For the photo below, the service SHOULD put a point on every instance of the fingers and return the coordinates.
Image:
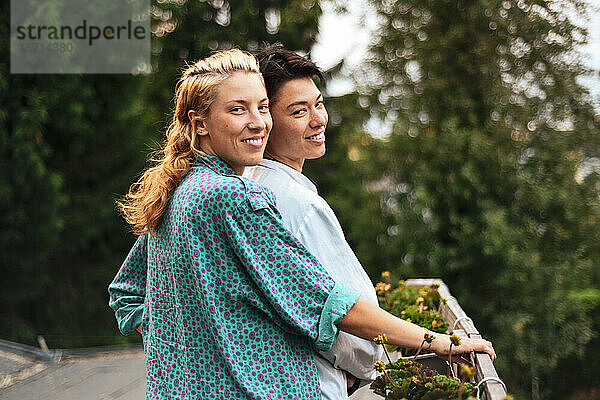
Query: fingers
(490, 350)
(468, 346)
(486, 346)
(478, 345)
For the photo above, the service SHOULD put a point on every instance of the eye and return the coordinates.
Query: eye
(264, 108)
(237, 109)
(299, 112)
(320, 104)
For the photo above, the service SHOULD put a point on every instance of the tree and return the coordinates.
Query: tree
(72, 144)
(482, 179)
(30, 200)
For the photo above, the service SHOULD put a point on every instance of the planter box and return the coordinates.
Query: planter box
(458, 321)
(491, 387)
(432, 361)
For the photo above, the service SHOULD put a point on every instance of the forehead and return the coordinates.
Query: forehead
(241, 85)
(299, 89)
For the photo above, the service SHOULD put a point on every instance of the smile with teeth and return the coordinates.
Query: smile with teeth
(317, 138)
(254, 141)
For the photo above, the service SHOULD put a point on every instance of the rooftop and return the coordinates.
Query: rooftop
(26, 372)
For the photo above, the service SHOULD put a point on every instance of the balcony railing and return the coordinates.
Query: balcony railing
(489, 383)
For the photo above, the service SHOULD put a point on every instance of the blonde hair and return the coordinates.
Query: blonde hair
(144, 204)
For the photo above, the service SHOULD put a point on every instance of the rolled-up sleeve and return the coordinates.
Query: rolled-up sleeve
(337, 305)
(128, 290)
(296, 286)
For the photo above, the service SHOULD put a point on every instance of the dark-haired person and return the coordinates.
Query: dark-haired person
(231, 305)
(298, 133)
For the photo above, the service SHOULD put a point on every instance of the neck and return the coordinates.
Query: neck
(295, 164)
(237, 170)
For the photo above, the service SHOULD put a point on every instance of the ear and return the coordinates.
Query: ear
(198, 123)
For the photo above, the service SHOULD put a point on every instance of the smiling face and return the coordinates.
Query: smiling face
(299, 121)
(238, 123)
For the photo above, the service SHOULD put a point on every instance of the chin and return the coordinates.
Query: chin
(317, 155)
(254, 161)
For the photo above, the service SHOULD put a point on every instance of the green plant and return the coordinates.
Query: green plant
(407, 379)
(467, 373)
(454, 341)
(420, 306)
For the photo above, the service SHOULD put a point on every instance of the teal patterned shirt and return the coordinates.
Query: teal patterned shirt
(231, 304)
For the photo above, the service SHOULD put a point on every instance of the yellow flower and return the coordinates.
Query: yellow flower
(381, 339)
(467, 372)
(386, 276)
(455, 340)
(382, 288)
(428, 337)
(379, 366)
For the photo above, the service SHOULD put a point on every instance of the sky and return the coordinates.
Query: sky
(347, 37)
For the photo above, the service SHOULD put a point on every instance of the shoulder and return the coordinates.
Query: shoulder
(297, 204)
(208, 189)
(271, 178)
(281, 184)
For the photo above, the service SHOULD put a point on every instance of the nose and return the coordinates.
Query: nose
(319, 118)
(257, 121)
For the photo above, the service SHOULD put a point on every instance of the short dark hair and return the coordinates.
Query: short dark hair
(279, 65)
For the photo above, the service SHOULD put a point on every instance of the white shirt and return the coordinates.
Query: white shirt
(308, 216)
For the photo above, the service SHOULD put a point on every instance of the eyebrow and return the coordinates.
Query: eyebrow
(297, 103)
(246, 101)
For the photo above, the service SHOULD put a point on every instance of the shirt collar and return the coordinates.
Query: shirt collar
(215, 163)
(291, 172)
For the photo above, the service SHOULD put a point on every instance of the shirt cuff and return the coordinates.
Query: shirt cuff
(338, 303)
(130, 318)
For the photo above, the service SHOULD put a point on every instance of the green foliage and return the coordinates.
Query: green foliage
(430, 319)
(482, 179)
(417, 305)
(30, 199)
(579, 373)
(70, 145)
(405, 379)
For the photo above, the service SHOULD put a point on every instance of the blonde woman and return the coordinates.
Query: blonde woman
(230, 303)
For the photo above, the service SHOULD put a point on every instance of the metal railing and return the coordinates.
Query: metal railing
(489, 384)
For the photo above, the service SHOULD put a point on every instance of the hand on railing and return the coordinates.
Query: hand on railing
(445, 346)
